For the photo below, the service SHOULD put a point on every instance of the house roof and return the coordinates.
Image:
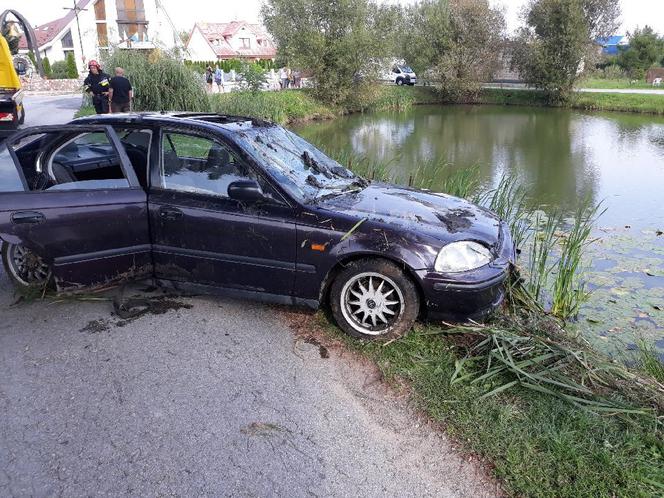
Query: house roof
(48, 32)
(610, 41)
(226, 30)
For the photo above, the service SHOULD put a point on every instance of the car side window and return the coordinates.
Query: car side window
(191, 163)
(10, 181)
(88, 161)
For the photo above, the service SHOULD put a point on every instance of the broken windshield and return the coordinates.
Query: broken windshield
(307, 173)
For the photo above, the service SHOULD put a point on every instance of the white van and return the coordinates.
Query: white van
(402, 75)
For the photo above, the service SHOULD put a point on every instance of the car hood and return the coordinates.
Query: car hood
(441, 216)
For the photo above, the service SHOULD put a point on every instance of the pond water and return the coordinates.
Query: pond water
(563, 156)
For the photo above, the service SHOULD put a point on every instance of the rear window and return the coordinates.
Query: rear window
(10, 181)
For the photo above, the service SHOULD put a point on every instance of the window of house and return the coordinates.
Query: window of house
(246, 42)
(67, 40)
(102, 35)
(100, 10)
(67, 52)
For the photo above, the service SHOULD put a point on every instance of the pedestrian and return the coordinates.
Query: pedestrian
(209, 76)
(98, 83)
(121, 93)
(297, 78)
(219, 78)
(283, 77)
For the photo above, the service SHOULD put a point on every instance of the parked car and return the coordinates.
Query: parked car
(402, 75)
(242, 207)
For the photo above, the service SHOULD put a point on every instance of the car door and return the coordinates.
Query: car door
(203, 236)
(69, 194)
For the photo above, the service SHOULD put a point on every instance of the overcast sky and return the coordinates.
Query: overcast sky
(185, 12)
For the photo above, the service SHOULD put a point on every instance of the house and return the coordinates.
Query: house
(230, 40)
(612, 45)
(102, 24)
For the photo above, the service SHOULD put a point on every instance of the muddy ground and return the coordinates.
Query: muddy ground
(203, 396)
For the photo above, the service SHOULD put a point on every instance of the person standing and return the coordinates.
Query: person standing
(98, 84)
(283, 77)
(219, 78)
(209, 76)
(121, 93)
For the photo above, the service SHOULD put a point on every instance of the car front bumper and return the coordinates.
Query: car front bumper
(470, 295)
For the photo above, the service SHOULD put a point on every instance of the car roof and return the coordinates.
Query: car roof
(208, 119)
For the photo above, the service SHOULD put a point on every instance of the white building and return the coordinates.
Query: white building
(102, 24)
(229, 40)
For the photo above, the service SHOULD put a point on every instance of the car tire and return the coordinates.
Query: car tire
(374, 298)
(25, 269)
(21, 120)
(399, 81)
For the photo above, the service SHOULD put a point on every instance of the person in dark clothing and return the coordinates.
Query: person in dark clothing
(120, 93)
(97, 83)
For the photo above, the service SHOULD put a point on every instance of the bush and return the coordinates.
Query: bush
(59, 70)
(161, 82)
(252, 77)
(72, 70)
(48, 71)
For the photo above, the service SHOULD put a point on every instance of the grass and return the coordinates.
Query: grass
(538, 444)
(619, 102)
(614, 84)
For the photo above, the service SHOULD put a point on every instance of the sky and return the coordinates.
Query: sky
(186, 12)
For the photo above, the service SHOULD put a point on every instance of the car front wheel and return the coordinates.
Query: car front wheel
(374, 298)
(25, 268)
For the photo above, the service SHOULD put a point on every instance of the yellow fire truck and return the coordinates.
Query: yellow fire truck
(12, 113)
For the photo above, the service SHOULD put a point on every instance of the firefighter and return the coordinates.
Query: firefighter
(97, 83)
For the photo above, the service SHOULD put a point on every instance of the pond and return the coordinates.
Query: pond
(564, 157)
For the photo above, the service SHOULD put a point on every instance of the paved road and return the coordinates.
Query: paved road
(47, 110)
(202, 397)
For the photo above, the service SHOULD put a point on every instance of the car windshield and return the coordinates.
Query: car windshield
(406, 69)
(307, 173)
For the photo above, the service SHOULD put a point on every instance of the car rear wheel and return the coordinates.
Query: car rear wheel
(374, 298)
(25, 268)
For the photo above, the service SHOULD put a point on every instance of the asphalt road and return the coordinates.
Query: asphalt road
(202, 397)
(48, 110)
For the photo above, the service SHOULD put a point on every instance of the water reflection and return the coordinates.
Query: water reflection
(563, 155)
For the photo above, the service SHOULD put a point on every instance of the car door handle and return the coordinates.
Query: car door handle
(27, 217)
(170, 213)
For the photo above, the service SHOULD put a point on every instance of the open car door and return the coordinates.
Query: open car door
(69, 195)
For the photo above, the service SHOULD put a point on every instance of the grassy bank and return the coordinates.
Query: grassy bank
(537, 444)
(613, 84)
(292, 106)
(636, 103)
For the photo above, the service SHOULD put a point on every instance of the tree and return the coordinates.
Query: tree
(252, 77)
(340, 42)
(48, 72)
(459, 40)
(559, 39)
(646, 48)
(72, 70)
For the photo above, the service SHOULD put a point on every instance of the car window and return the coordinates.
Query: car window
(10, 181)
(136, 142)
(191, 163)
(88, 161)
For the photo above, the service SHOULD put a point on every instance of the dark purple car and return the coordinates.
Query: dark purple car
(243, 207)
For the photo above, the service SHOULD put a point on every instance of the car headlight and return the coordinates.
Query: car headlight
(462, 256)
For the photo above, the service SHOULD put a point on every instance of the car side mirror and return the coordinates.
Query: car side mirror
(245, 190)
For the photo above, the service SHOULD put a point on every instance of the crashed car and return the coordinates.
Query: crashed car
(240, 206)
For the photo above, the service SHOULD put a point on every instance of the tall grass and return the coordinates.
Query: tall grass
(568, 288)
(541, 248)
(160, 81)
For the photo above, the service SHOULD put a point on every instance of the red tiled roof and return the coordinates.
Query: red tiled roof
(46, 33)
(224, 30)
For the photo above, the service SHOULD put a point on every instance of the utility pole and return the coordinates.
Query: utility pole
(76, 10)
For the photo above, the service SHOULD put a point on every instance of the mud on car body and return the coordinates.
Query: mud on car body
(242, 207)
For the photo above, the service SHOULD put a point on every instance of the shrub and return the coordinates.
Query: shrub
(59, 70)
(161, 81)
(48, 71)
(252, 77)
(72, 70)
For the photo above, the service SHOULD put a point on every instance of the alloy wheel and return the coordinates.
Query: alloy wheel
(371, 303)
(26, 267)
